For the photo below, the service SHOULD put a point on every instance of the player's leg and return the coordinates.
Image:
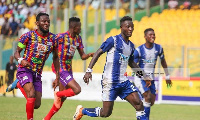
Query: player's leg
(130, 94)
(30, 91)
(58, 102)
(106, 111)
(109, 94)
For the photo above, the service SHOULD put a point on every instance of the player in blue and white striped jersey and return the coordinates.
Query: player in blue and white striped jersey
(146, 56)
(114, 83)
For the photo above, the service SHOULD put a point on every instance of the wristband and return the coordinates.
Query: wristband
(167, 77)
(20, 60)
(89, 70)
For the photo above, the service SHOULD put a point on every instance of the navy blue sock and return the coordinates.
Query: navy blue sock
(92, 112)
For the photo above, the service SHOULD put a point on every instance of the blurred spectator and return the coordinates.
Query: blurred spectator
(22, 31)
(19, 16)
(109, 3)
(10, 70)
(3, 8)
(14, 28)
(24, 11)
(173, 4)
(5, 27)
(187, 4)
(2, 20)
(141, 4)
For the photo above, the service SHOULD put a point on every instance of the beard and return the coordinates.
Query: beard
(44, 31)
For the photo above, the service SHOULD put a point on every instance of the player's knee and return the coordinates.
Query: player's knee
(31, 94)
(77, 90)
(37, 105)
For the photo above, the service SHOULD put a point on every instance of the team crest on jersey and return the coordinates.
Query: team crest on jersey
(41, 48)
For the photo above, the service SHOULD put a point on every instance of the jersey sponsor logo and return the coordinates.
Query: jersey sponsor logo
(149, 61)
(123, 58)
(68, 61)
(72, 50)
(36, 60)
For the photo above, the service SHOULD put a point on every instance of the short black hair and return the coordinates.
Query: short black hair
(125, 18)
(147, 30)
(73, 19)
(41, 14)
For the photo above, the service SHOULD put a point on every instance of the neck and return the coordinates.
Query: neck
(42, 33)
(125, 37)
(11, 62)
(149, 45)
(73, 35)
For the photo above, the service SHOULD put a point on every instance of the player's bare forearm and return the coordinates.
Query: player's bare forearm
(83, 55)
(17, 53)
(96, 56)
(56, 63)
(164, 65)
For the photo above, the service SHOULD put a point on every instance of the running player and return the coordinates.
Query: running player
(114, 83)
(38, 44)
(146, 56)
(69, 42)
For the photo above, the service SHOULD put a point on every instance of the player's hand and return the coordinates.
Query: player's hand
(91, 54)
(148, 81)
(25, 63)
(55, 83)
(87, 77)
(169, 83)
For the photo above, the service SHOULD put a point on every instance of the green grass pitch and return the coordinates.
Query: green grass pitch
(13, 108)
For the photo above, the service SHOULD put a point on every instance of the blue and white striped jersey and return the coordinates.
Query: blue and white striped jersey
(147, 57)
(118, 53)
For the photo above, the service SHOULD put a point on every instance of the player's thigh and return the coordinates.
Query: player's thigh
(75, 86)
(29, 89)
(107, 108)
(153, 98)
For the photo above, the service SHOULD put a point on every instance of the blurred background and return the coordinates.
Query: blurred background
(176, 24)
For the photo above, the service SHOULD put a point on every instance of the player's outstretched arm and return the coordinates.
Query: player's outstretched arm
(83, 55)
(168, 80)
(57, 68)
(88, 74)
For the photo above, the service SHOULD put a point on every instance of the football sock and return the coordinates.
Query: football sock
(140, 115)
(65, 93)
(147, 108)
(30, 108)
(92, 112)
(52, 112)
(21, 89)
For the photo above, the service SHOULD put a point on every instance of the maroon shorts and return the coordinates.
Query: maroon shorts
(25, 75)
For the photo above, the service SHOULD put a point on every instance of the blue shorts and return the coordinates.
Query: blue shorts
(65, 77)
(140, 84)
(110, 91)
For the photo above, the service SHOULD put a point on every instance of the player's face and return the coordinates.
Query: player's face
(127, 28)
(77, 28)
(150, 36)
(43, 23)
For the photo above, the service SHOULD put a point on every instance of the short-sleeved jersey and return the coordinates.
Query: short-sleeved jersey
(66, 50)
(147, 57)
(118, 54)
(37, 49)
